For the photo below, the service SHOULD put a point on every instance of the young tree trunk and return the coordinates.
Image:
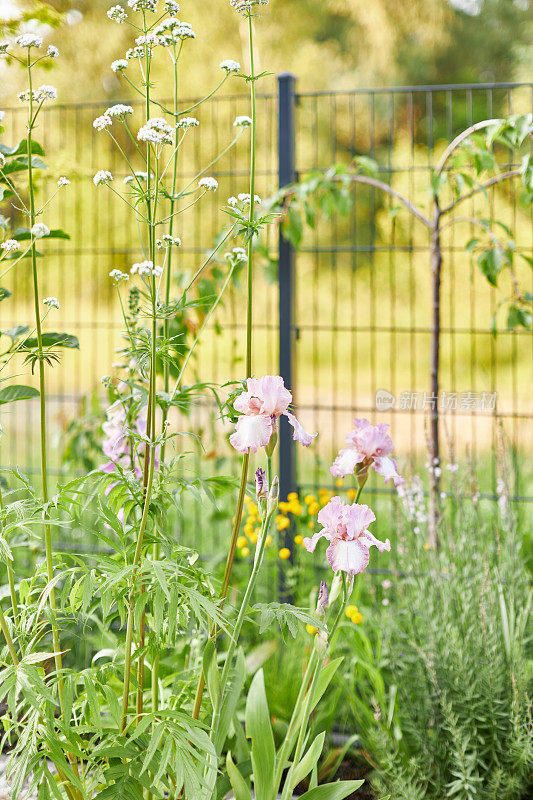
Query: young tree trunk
(436, 267)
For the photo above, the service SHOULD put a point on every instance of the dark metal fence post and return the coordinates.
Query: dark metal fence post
(287, 174)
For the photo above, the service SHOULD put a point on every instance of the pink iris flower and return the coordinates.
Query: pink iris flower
(370, 446)
(263, 402)
(346, 527)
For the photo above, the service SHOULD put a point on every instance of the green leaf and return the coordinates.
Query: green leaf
(332, 791)
(519, 317)
(238, 784)
(16, 332)
(293, 227)
(53, 340)
(491, 262)
(22, 149)
(12, 393)
(230, 701)
(438, 182)
(259, 730)
(4, 293)
(367, 165)
(23, 234)
(309, 760)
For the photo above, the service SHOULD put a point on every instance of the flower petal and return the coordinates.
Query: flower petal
(386, 466)
(251, 433)
(270, 389)
(368, 539)
(346, 462)
(347, 556)
(358, 518)
(311, 543)
(332, 515)
(300, 435)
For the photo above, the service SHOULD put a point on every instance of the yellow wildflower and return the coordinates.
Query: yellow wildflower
(295, 508)
(245, 552)
(349, 610)
(427, 546)
(284, 553)
(314, 508)
(248, 529)
(298, 539)
(284, 507)
(309, 498)
(311, 526)
(254, 536)
(310, 629)
(292, 496)
(282, 523)
(357, 618)
(242, 541)
(352, 494)
(339, 483)
(268, 540)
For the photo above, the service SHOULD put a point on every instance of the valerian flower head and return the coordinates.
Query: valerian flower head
(118, 110)
(103, 122)
(29, 40)
(40, 230)
(42, 93)
(260, 406)
(171, 7)
(244, 198)
(168, 241)
(10, 246)
(367, 446)
(209, 184)
(145, 268)
(242, 122)
(185, 31)
(62, 181)
(229, 65)
(346, 528)
(187, 122)
(118, 275)
(157, 131)
(238, 255)
(117, 14)
(52, 51)
(140, 176)
(245, 6)
(119, 65)
(102, 176)
(136, 52)
(143, 5)
(51, 302)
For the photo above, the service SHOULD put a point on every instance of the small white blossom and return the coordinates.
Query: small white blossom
(135, 52)
(118, 110)
(229, 65)
(209, 184)
(28, 40)
(146, 268)
(46, 92)
(148, 40)
(244, 198)
(246, 5)
(141, 176)
(185, 31)
(10, 246)
(171, 7)
(63, 182)
(51, 302)
(119, 65)
(118, 275)
(238, 254)
(100, 123)
(156, 130)
(168, 241)
(187, 122)
(117, 14)
(40, 230)
(102, 176)
(52, 51)
(143, 5)
(242, 122)
(232, 201)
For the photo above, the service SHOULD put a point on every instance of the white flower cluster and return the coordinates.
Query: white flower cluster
(10, 246)
(209, 184)
(146, 268)
(118, 275)
(168, 241)
(156, 130)
(102, 176)
(143, 5)
(119, 65)
(135, 52)
(29, 40)
(52, 51)
(187, 122)
(40, 230)
(244, 199)
(414, 502)
(100, 123)
(140, 176)
(117, 14)
(62, 181)
(242, 122)
(118, 110)
(41, 94)
(245, 6)
(51, 302)
(238, 254)
(171, 7)
(229, 65)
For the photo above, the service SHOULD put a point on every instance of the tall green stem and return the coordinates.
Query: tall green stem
(10, 576)
(249, 328)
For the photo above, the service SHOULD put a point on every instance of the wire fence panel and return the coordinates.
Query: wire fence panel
(361, 327)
